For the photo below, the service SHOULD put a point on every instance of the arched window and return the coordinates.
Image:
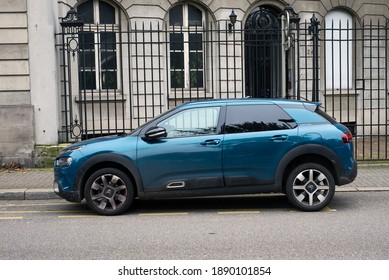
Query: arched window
(186, 23)
(97, 63)
(338, 49)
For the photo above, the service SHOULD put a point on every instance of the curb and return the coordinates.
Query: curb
(27, 194)
(44, 194)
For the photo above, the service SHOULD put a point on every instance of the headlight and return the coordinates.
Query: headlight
(63, 161)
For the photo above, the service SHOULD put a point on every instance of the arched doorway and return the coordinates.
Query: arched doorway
(263, 53)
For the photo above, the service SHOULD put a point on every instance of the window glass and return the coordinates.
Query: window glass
(86, 61)
(86, 40)
(196, 61)
(87, 80)
(87, 52)
(195, 41)
(98, 55)
(186, 47)
(196, 79)
(177, 79)
(107, 13)
(85, 12)
(192, 122)
(195, 16)
(108, 40)
(109, 79)
(176, 16)
(177, 41)
(326, 116)
(253, 118)
(339, 49)
(177, 60)
(307, 116)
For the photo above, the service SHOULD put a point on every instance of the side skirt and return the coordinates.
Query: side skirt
(173, 193)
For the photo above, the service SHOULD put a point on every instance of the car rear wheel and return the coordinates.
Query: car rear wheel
(109, 191)
(310, 187)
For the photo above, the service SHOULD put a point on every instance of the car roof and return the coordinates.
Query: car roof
(239, 101)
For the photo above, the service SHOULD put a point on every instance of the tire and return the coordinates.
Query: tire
(310, 187)
(109, 191)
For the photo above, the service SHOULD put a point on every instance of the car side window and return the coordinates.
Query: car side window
(253, 118)
(192, 122)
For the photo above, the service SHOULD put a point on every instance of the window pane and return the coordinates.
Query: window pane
(107, 13)
(87, 80)
(85, 12)
(86, 40)
(196, 60)
(177, 60)
(253, 118)
(196, 79)
(339, 49)
(176, 16)
(108, 40)
(86, 59)
(109, 79)
(177, 79)
(195, 41)
(195, 16)
(176, 41)
(192, 122)
(108, 60)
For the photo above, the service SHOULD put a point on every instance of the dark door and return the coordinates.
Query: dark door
(263, 53)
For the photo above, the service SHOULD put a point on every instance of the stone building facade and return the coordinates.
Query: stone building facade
(57, 85)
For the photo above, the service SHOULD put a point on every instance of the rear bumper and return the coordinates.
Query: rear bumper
(347, 179)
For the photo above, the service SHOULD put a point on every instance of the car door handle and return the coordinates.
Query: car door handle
(279, 138)
(211, 142)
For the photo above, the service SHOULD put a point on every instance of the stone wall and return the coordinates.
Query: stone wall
(16, 113)
(16, 134)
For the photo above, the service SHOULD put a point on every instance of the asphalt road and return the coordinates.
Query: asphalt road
(354, 226)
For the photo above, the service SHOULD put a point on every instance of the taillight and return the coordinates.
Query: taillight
(347, 137)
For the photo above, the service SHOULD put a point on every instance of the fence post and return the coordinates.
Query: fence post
(314, 31)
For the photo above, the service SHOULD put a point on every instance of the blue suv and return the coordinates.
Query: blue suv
(216, 147)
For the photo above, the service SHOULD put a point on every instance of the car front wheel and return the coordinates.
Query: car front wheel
(310, 187)
(109, 191)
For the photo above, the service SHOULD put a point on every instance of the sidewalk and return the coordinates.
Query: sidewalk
(37, 184)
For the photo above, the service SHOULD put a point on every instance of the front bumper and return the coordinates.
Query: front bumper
(71, 196)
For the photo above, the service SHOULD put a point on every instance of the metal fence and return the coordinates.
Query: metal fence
(115, 78)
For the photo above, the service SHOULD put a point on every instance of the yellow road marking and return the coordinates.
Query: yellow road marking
(328, 209)
(164, 214)
(11, 218)
(41, 211)
(238, 212)
(38, 204)
(78, 216)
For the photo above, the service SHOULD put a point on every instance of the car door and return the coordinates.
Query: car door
(256, 138)
(189, 157)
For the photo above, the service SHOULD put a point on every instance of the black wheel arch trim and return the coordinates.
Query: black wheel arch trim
(309, 149)
(121, 160)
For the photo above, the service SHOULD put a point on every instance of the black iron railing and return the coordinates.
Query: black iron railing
(115, 78)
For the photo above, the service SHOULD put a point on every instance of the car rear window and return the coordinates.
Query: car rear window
(325, 115)
(304, 116)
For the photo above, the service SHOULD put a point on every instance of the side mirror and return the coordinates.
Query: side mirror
(155, 133)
